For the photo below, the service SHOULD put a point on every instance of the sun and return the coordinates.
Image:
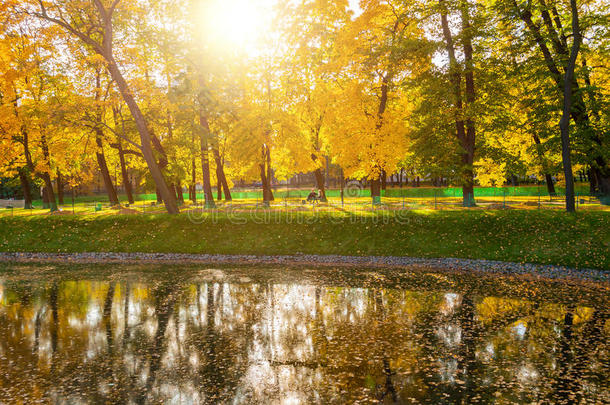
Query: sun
(234, 23)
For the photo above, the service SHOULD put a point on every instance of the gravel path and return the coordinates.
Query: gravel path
(486, 266)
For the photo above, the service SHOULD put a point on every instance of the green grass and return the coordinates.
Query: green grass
(408, 191)
(535, 236)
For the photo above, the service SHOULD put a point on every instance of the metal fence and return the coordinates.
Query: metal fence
(353, 199)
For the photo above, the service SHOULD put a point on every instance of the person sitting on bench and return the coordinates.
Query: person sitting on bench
(313, 196)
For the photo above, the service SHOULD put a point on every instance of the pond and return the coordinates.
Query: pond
(193, 334)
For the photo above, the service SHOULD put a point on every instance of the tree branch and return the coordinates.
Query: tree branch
(546, 17)
(526, 16)
(64, 24)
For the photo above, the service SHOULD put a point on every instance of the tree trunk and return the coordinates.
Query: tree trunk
(46, 177)
(162, 162)
(205, 162)
(264, 183)
(147, 152)
(550, 187)
(549, 179)
(603, 182)
(264, 173)
(193, 186)
(25, 187)
(592, 174)
(220, 175)
(23, 171)
(376, 182)
(468, 195)
(469, 142)
(384, 179)
(156, 143)
(124, 173)
(221, 178)
(465, 135)
(29, 162)
(179, 195)
(375, 187)
(320, 183)
(564, 123)
(269, 175)
(101, 162)
(60, 188)
(99, 153)
(603, 174)
(52, 204)
(319, 180)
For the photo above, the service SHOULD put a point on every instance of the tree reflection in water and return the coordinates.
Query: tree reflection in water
(246, 335)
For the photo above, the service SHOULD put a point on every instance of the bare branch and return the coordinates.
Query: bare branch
(121, 136)
(101, 9)
(125, 151)
(64, 24)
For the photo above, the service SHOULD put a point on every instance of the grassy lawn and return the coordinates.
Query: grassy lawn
(535, 236)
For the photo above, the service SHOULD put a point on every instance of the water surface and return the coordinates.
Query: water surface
(193, 334)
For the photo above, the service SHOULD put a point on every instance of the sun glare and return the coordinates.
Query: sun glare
(235, 23)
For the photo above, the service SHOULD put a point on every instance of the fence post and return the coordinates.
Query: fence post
(434, 198)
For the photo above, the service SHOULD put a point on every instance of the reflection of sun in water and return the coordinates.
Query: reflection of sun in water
(234, 23)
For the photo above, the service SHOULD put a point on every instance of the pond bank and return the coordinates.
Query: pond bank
(581, 240)
(449, 264)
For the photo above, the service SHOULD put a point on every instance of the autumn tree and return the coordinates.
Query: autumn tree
(41, 141)
(378, 50)
(311, 29)
(92, 23)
